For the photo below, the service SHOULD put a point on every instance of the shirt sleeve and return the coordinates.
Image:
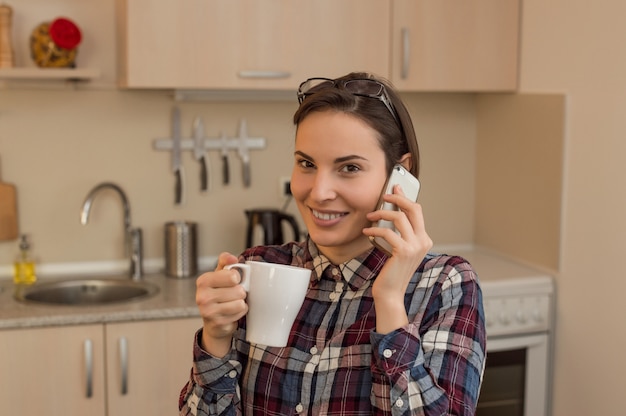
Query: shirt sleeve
(434, 365)
(213, 387)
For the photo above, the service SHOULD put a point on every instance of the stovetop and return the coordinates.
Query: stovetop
(518, 299)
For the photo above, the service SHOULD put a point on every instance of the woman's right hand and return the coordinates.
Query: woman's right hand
(221, 301)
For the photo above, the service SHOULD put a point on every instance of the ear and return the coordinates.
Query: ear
(407, 161)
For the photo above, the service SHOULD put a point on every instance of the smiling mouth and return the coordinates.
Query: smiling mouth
(326, 216)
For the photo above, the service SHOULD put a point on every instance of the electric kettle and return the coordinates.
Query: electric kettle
(270, 223)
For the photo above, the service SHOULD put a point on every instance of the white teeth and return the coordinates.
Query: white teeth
(325, 217)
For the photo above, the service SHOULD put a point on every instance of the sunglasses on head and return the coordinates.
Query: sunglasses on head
(363, 87)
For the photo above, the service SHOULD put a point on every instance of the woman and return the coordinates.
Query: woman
(379, 334)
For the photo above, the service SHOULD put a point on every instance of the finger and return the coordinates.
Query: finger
(395, 216)
(412, 210)
(224, 259)
(225, 310)
(221, 319)
(397, 190)
(218, 279)
(388, 234)
(232, 310)
(398, 198)
(409, 222)
(211, 296)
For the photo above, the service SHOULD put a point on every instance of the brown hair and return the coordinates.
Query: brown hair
(395, 139)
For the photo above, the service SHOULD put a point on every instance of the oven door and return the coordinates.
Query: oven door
(516, 377)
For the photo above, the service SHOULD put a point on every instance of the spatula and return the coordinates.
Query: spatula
(8, 211)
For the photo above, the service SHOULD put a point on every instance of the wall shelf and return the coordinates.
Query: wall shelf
(67, 74)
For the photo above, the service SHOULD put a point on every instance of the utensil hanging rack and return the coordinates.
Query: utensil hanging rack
(216, 143)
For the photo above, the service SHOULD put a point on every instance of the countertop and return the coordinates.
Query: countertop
(176, 297)
(502, 276)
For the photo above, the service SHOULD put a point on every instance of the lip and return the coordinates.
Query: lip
(325, 218)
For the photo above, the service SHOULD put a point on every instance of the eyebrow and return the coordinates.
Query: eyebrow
(337, 160)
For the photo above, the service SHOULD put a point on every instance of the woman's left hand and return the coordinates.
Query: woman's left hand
(409, 247)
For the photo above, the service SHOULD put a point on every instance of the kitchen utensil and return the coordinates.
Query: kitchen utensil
(275, 295)
(181, 250)
(270, 223)
(224, 153)
(8, 211)
(199, 154)
(244, 154)
(7, 57)
(176, 164)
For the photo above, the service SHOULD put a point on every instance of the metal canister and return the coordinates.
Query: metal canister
(181, 252)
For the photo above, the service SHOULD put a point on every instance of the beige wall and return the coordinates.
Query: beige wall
(55, 145)
(577, 47)
(519, 176)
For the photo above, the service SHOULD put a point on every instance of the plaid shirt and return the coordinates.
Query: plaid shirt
(337, 364)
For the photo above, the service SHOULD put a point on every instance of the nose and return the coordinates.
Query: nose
(323, 187)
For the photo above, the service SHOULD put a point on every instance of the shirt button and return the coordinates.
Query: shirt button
(299, 408)
(387, 353)
(335, 271)
(332, 296)
(232, 374)
(313, 350)
(399, 403)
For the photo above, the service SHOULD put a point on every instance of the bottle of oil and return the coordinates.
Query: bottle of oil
(24, 266)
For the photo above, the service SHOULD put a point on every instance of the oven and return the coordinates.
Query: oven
(516, 377)
(519, 313)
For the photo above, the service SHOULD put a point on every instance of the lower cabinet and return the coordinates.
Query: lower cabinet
(52, 371)
(98, 370)
(147, 365)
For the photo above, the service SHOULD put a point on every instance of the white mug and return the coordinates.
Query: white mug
(275, 295)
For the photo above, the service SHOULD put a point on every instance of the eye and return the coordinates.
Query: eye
(305, 163)
(350, 168)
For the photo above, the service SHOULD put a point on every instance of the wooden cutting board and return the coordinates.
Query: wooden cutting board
(8, 212)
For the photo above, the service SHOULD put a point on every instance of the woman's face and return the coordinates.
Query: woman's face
(337, 178)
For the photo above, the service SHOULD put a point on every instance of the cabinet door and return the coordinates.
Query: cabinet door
(46, 371)
(249, 44)
(332, 38)
(148, 363)
(451, 45)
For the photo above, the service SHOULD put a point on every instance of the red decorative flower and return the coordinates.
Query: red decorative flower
(65, 33)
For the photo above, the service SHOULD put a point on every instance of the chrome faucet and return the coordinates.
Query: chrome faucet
(133, 245)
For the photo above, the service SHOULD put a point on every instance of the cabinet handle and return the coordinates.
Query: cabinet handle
(88, 347)
(264, 74)
(406, 52)
(123, 344)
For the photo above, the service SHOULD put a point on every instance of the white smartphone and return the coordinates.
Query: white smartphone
(410, 186)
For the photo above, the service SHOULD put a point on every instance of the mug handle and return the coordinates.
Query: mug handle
(245, 274)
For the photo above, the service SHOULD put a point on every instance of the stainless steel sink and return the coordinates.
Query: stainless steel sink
(86, 292)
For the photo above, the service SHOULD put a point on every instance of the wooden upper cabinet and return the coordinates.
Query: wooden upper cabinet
(453, 45)
(249, 44)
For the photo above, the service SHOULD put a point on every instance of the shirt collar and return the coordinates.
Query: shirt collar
(355, 272)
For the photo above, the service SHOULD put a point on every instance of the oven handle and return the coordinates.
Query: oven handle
(515, 342)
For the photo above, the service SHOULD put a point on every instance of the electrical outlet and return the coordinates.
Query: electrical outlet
(284, 186)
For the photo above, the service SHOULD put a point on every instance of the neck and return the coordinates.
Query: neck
(343, 254)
